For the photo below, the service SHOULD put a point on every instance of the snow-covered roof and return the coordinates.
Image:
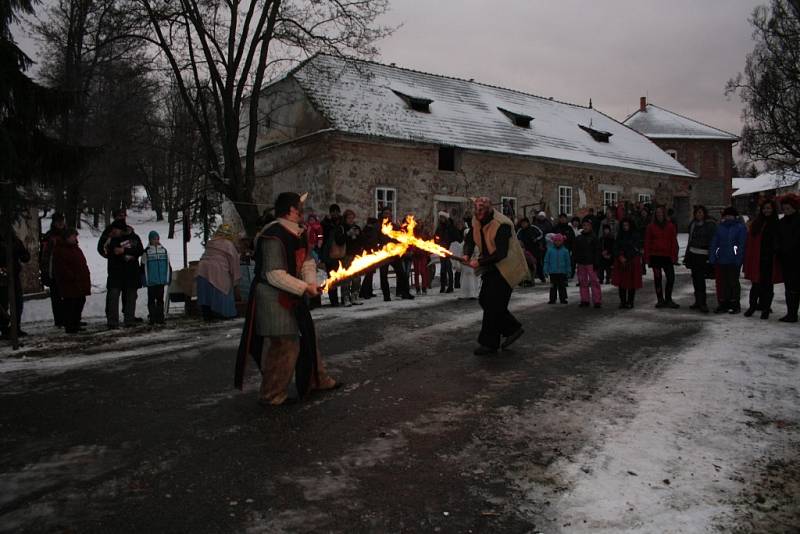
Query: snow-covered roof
(366, 98)
(660, 123)
(740, 182)
(767, 182)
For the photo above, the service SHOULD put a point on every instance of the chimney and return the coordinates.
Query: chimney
(642, 103)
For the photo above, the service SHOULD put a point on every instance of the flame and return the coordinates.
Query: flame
(404, 239)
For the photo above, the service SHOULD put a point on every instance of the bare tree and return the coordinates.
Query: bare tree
(770, 86)
(87, 45)
(227, 49)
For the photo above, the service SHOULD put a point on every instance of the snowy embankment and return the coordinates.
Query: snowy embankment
(39, 310)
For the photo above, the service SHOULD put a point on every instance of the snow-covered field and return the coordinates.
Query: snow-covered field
(36, 311)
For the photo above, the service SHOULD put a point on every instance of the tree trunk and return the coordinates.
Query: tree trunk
(171, 219)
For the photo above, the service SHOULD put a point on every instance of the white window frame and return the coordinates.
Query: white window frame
(610, 197)
(381, 202)
(645, 198)
(512, 201)
(672, 152)
(565, 195)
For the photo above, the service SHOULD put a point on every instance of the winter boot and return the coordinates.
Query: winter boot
(792, 304)
(631, 296)
(668, 300)
(723, 307)
(661, 303)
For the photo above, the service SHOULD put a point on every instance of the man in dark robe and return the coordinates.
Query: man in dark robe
(279, 331)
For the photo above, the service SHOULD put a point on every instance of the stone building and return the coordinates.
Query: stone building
(369, 136)
(703, 149)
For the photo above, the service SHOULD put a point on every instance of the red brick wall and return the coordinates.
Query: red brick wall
(711, 161)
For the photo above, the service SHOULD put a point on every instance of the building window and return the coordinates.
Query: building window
(610, 198)
(598, 135)
(508, 205)
(417, 103)
(447, 158)
(565, 199)
(672, 152)
(645, 198)
(518, 119)
(385, 198)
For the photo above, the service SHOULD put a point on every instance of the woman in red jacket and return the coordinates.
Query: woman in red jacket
(73, 279)
(760, 264)
(661, 253)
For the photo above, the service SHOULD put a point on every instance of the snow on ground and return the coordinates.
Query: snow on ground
(686, 448)
(143, 222)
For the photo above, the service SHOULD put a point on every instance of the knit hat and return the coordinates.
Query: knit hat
(444, 214)
(730, 210)
(541, 214)
(558, 238)
(792, 199)
(119, 225)
(153, 235)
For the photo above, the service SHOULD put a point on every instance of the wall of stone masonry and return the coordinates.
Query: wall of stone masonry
(348, 169)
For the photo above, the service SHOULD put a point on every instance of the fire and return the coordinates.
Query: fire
(404, 239)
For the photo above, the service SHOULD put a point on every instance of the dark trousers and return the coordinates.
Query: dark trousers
(71, 309)
(659, 264)
(604, 272)
(333, 294)
(699, 283)
(366, 285)
(558, 287)
(730, 288)
(457, 280)
(626, 296)
(446, 274)
(56, 303)
(5, 323)
(497, 320)
(791, 282)
(155, 304)
(129, 295)
(540, 265)
(399, 274)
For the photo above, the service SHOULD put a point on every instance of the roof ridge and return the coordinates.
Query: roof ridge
(693, 120)
(415, 71)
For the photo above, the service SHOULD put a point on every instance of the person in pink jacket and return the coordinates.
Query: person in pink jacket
(661, 253)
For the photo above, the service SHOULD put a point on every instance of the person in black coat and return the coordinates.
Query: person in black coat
(47, 246)
(122, 249)
(369, 240)
(788, 251)
(20, 255)
(586, 257)
(333, 246)
(401, 276)
(606, 255)
(701, 232)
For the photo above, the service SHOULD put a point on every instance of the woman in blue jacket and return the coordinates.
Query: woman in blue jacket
(727, 253)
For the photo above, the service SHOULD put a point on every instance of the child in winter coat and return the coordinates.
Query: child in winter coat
(157, 274)
(727, 252)
(586, 253)
(557, 265)
(73, 279)
(606, 254)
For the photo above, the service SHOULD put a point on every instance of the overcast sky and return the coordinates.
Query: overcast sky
(678, 53)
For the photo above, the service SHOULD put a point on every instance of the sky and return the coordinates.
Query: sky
(678, 53)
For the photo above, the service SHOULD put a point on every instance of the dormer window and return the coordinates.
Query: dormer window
(518, 119)
(598, 135)
(417, 103)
